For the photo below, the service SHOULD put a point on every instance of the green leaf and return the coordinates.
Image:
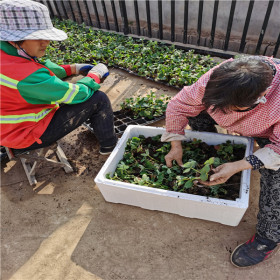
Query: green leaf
(149, 164)
(205, 169)
(217, 162)
(145, 178)
(203, 176)
(188, 184)
(187, 170)
(190, 164)
(210, 161)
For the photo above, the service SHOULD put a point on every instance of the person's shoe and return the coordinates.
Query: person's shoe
(252, 252)
(106, 150)
(3, 153)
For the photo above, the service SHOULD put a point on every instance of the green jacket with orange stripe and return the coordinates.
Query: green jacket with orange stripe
(31, 92)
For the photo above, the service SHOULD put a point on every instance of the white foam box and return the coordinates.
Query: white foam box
(223, 211)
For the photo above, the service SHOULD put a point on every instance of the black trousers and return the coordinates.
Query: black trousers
(97, 109)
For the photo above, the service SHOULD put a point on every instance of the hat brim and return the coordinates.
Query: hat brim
(53, 34)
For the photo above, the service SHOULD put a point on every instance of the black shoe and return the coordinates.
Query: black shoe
(252, 252)
(106, 150)
(3, 153)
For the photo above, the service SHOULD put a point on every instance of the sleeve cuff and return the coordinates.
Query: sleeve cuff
(269, 157)
(95, 77)
(254, 161)
(67, 69)
(168, 137)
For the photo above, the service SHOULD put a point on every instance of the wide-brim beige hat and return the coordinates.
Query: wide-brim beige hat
(27, 20)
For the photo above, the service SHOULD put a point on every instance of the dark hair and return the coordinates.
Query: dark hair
(19, 42)
(237, 83)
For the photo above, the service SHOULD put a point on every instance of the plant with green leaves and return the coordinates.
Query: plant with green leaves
(143, 163)
(148, 106)
(227, 150)
(193, 175)
(146, 58)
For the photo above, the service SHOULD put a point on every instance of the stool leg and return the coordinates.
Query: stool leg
(9, 153)
(38, 157)
(29, 171)
(62, 157)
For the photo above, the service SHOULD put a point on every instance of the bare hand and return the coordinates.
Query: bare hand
(225, 171)
(176, 153)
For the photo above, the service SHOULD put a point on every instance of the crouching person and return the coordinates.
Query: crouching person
(37, 107)
(242, 96)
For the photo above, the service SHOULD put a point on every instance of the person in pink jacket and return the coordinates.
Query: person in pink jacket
(243, 96)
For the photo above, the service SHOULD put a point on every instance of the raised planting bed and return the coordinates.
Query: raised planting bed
(221, 210)
(146, 58)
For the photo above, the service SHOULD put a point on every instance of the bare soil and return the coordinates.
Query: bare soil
(63, 228)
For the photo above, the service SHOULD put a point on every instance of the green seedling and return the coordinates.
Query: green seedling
(143, 163)
(144, 57)
(148, 106)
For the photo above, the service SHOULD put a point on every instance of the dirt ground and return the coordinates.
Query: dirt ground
(63, 228)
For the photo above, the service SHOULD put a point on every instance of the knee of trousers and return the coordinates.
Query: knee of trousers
(271, 177)
(100, 101)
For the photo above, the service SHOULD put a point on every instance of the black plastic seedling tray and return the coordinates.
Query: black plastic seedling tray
(121, 121)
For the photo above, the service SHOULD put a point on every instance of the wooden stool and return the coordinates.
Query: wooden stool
(33, 159)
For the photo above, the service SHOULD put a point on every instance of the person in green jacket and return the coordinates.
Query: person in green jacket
(37, 106)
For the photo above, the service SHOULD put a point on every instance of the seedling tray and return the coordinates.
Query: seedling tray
(228, 212)
(122, 121)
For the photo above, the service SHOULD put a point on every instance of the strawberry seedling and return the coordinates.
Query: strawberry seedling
(143, 164)
(148, 106)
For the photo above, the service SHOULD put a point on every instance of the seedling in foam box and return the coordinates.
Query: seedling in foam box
(225, 211)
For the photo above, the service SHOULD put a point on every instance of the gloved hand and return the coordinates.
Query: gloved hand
(83, 68)
(100, 70)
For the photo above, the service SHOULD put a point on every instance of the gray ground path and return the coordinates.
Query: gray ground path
(64, 229)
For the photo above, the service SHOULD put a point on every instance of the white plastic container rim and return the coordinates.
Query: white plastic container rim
(207, 137)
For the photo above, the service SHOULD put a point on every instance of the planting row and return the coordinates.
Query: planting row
(146, 58)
